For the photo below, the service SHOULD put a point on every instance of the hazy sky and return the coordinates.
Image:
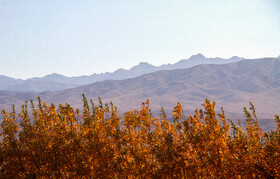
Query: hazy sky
(82, 37)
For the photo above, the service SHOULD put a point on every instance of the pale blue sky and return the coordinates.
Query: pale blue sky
(82, 37)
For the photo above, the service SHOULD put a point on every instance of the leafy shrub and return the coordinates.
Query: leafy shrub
(61, 142)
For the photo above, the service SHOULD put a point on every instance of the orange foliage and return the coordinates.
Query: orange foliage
(60, 142)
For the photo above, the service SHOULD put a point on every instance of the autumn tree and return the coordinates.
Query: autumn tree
(49, 141)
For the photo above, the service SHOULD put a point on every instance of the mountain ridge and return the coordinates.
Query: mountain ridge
(231, 85)
(54, 81)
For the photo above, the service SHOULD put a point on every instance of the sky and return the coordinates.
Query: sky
(73, 37)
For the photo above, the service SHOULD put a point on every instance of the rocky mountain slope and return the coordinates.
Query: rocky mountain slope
(230, 85)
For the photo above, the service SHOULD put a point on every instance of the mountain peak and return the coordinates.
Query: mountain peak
(235, 58)
(143, 67)
(120, 70)
(54, 74)
(143, 63)
(197, 57)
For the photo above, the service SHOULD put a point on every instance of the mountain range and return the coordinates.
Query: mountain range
(231, 85)
(55, 82)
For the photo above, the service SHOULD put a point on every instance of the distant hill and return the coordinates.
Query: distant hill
(230, 85)
(6, 81)
(55, 82)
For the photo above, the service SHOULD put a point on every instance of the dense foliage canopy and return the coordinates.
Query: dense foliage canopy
(55, 142)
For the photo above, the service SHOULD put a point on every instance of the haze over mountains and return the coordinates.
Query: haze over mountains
(55, 82)
(231, 85)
